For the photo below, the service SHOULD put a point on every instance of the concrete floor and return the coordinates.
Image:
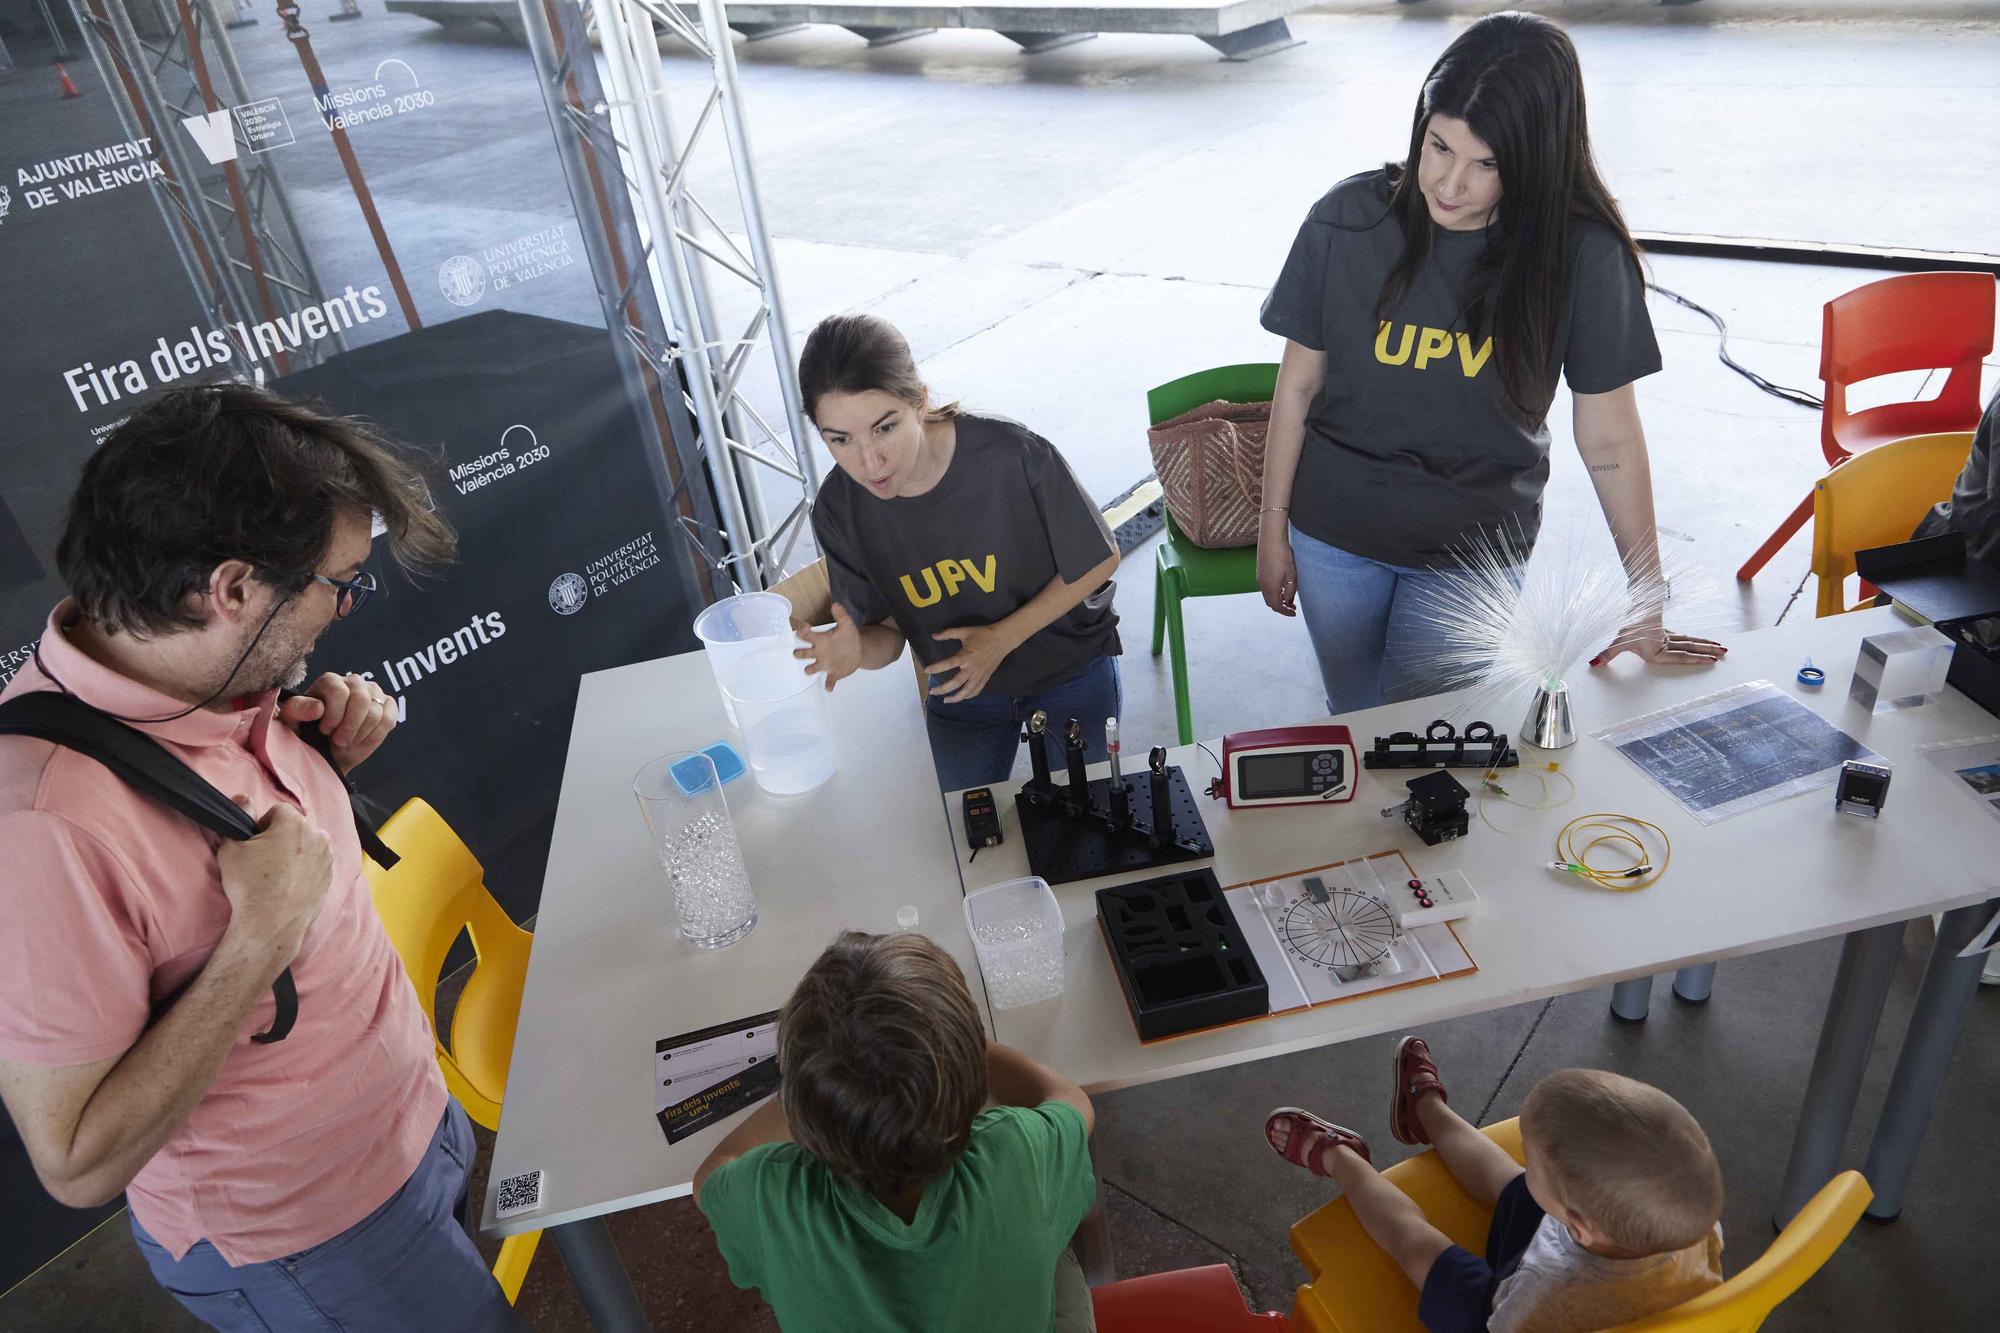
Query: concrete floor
(1105, 217)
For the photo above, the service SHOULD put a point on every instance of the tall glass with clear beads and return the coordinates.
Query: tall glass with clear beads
(681, 798)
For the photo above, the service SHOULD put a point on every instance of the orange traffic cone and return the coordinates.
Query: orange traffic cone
(68, 86)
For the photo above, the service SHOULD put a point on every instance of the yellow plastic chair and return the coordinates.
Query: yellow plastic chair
(1356, 1288)
(436, 890)
(1875, 499)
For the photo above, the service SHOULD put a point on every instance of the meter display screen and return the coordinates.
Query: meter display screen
(1298, 773)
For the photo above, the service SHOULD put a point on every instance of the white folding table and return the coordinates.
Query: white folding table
(1792, 872)
(607, 977)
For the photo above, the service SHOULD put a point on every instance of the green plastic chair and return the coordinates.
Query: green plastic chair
(1185, 570)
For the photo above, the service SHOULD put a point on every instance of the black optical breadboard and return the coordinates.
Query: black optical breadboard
(1181, 958)
(1064, 847)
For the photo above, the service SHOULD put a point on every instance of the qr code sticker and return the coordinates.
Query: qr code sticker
(519, 1194)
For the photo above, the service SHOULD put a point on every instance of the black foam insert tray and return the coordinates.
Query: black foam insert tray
(1181, 958)
(1063, 848)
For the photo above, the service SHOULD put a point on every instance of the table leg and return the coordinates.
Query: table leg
(1092, 1241)
(1853, 1012)
(1693, 984)
(1948, 985)
(600, 1276)
(1630, 999)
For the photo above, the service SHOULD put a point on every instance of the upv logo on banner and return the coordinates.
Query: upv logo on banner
(568, 594)
(462, 279)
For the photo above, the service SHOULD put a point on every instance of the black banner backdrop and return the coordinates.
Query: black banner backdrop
(390, 214)
(563, 569)
(471, 329)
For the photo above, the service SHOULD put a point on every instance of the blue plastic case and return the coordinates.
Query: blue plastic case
(728, 768)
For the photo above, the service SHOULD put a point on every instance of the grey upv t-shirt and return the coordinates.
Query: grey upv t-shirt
(1412, 445)
(1007, 516)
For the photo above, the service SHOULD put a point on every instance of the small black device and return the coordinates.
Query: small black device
(982, 818)
(1435, 811)
(1863, 789)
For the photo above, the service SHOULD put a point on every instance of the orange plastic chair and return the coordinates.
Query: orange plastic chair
(1356, 1288)
(436, 890)
(1188, 1300)
(1917, 321)
(1877, 499)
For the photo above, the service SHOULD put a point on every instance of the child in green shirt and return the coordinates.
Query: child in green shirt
(909, 1175)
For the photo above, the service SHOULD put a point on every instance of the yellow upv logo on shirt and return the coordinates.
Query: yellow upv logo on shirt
(953, 574)
(1431, 345)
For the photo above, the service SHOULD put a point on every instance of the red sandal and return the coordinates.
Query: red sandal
(1415, 1075)
(1304, 1149)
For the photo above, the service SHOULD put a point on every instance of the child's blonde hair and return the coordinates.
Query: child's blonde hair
(1626, 1157)
(884, 1061)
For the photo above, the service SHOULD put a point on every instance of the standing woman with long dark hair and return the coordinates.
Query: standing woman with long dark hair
(1428, 309)
(966, 536)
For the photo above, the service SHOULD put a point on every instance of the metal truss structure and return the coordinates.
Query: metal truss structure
(230, 222)
(630, 131)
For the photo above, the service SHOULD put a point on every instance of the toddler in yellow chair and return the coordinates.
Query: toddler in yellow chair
(1613, 1219)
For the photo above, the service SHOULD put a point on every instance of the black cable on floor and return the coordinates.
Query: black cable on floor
(1797, 396)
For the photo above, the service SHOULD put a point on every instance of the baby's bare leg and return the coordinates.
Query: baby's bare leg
(1481, 1167)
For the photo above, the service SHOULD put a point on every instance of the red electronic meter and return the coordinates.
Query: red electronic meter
(1289, 766)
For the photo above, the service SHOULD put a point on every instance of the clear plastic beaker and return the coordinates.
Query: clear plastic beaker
(783, 716)
(746, 625)
(681, 798)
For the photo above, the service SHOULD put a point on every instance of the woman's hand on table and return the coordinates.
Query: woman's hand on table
(1651, 641)
(834, 653)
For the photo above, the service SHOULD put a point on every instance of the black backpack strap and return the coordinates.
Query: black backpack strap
(146, 766)
(139, 761)
(364, 826)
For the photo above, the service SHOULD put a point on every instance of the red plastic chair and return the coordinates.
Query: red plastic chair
(1188, 1300)
(1918, 321)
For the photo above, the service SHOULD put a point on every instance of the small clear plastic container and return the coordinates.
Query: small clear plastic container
(1017, 931)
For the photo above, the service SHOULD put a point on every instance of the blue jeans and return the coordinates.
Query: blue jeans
(406, 1266)
(1373, 626)
(974, 742)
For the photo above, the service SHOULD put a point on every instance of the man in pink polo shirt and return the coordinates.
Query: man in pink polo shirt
(305, 1183)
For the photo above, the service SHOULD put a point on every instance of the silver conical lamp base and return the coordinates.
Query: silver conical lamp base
(1548, 725)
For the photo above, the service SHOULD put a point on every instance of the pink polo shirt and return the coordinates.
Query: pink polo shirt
(109, 902)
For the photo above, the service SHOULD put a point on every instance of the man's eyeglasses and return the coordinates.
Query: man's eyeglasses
(349, 594)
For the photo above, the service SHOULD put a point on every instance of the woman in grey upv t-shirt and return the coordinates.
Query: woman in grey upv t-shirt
(1428, 309)
(967, 537)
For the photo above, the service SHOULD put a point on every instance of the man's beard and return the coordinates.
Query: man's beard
(274, 664)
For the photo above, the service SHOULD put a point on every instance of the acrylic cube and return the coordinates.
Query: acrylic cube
(1901, 669)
